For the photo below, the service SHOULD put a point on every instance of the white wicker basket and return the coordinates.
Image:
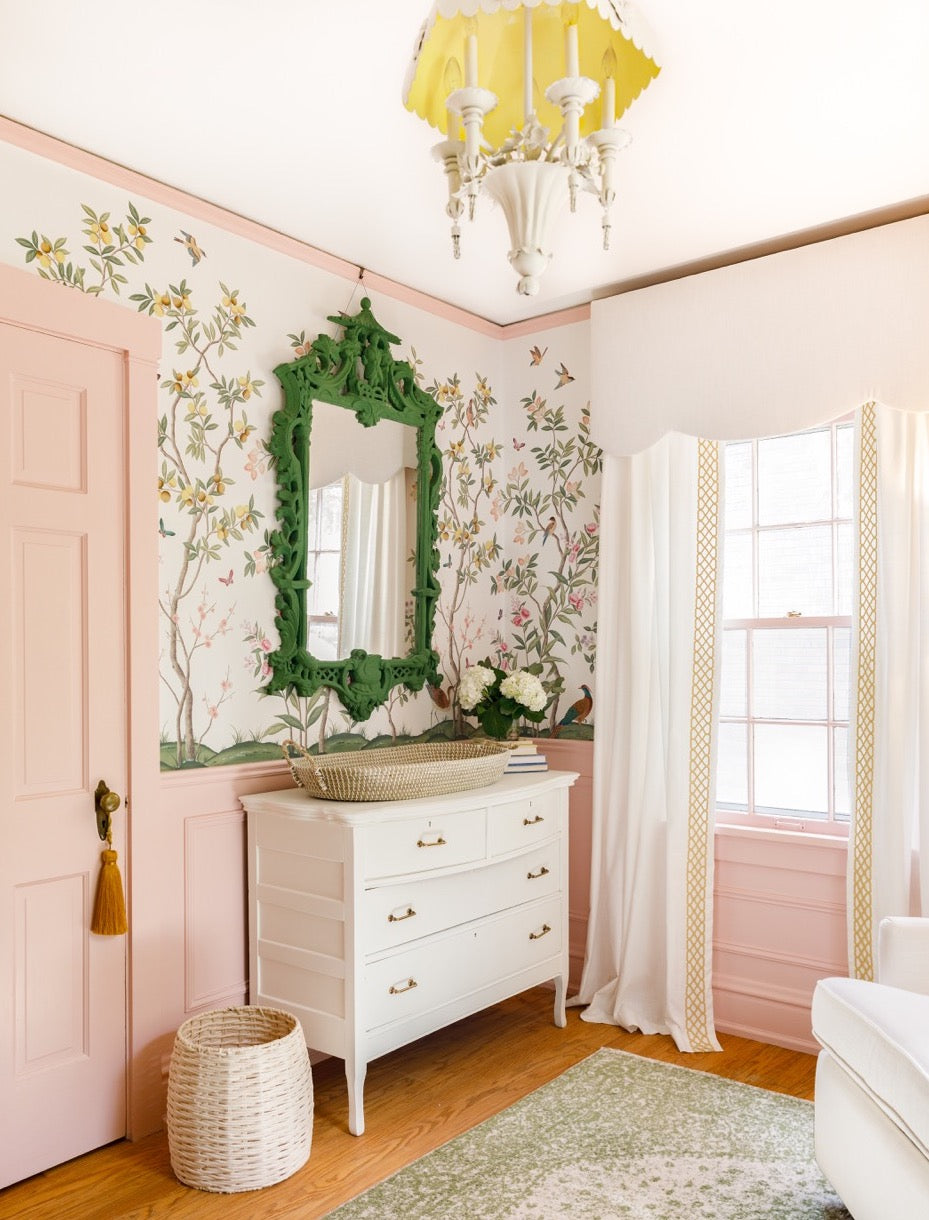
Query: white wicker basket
(240, 1099)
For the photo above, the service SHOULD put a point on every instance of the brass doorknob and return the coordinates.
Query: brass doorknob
(106, 802)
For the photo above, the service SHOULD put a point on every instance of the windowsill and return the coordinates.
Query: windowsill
(767, 834)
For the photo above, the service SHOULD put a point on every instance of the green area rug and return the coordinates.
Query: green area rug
(620, 1136)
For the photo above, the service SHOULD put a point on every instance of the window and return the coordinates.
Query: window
(324, 570)
(787, 601)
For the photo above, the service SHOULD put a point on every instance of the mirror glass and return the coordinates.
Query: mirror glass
(361, 535)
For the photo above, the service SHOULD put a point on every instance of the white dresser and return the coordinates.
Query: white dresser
(378, 923)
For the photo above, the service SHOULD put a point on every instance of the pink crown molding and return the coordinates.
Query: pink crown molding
(53, 149)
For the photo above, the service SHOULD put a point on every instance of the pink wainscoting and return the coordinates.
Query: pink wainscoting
(566, 755)
(779, 918)
(779, 926)
(194, 953)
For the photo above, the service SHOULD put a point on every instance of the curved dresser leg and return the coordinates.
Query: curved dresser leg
(355, 1073)
(561, 1019)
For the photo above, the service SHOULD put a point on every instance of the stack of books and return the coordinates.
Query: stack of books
(525, 757)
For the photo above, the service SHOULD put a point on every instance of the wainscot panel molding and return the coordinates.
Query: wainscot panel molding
(215, 870)
(573, 755)
(196, 860)
(779, 926)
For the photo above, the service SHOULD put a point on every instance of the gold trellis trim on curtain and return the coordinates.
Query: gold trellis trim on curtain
(699, 840)
(860, 897)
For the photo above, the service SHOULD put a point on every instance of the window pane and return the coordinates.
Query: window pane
(842, 789)
(789, 674)
(738, 487)
(841, 671)
(323, 640)
(844, 469)
(737, 576)
(795, 478)
(324, 595)
(791, 770)
(733, 689)
(732, 767)
(330, 525)
(795, 571)
(844, 540)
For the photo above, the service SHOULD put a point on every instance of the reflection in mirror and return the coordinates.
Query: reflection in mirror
(361, 536)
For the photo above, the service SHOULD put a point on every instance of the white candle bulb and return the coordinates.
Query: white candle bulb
(608, 111)
(570, 50)
(608, 92)
(471, 61)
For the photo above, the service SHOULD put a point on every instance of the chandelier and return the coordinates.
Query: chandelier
(513, 85)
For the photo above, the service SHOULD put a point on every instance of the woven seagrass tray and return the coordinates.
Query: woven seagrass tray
(395, 773)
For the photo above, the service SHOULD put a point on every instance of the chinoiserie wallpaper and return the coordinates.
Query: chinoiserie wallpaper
(518, 518)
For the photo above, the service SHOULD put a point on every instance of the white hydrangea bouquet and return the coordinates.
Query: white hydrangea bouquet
(498, 698)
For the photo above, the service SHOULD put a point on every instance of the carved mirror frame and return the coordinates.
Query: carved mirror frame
(360, 374)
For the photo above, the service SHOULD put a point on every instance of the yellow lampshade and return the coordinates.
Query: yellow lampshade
(500, 60)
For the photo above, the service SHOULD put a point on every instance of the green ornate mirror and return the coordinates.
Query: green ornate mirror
(356, 555)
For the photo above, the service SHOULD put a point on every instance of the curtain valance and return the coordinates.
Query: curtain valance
(768, 346)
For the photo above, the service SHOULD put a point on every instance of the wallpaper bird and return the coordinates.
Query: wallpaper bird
(190, 243)
(549, 529)
(577, 713)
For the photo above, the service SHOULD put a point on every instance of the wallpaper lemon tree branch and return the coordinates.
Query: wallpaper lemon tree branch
(193, 435)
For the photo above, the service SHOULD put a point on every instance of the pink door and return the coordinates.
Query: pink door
(63, 682)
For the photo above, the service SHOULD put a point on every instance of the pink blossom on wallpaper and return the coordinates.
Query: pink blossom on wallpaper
(591, 528)
(518, 473)
(576, 600)
(255, 463)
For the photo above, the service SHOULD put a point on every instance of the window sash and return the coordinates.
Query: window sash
(729, 813)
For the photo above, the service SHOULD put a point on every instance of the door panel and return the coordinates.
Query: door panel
(62, 643)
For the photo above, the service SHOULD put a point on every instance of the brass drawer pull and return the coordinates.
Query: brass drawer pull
(407, 986)
(439, 842)
(533, 821)
(538, 935)
(407, 914)
(543, 872)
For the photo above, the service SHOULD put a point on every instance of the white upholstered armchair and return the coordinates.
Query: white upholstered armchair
(872, 1079)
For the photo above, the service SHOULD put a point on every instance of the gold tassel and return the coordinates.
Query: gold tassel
(109, 917)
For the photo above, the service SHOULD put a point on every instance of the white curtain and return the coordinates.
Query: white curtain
(888, 874)
(375, 584)
(649, 947)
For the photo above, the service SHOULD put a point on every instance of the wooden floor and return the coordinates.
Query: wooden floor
(415, 1099)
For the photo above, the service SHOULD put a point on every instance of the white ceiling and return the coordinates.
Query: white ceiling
(765, 120)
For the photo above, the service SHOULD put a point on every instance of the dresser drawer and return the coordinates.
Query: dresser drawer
(435, 840)
(522, 823)
(409, 910)
(431, 973)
